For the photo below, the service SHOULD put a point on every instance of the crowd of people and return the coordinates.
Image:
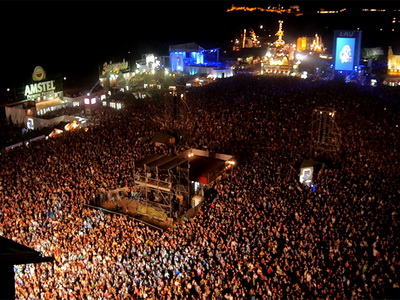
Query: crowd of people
(258, 235)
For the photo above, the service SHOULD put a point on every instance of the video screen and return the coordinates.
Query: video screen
(306, 175)
(344, 54)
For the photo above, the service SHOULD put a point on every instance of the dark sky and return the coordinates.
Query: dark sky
(75, 37)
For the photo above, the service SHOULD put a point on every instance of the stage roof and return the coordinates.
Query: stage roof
(178, 160)
(148, 159)
(202, 167)
(188, 47)
(159, 162)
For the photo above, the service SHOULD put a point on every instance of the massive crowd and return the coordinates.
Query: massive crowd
(258, 235)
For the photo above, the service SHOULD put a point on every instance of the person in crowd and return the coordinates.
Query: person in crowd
(259, 236)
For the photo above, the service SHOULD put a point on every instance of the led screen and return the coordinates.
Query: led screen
(345, 54)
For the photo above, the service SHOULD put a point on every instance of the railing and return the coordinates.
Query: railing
(120, 214)
(153, 182)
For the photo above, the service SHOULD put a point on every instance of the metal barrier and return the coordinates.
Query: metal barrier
(120, 214)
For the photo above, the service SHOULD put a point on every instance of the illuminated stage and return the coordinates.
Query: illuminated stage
(193, 59)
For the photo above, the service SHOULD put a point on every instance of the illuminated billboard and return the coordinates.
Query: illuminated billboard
(347, 50)
(41, 87)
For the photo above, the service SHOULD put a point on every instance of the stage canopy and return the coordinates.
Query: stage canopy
(49, 103)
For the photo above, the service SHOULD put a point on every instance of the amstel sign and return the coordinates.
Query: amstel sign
(40, 87)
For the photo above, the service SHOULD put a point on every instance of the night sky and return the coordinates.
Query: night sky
(74, 38)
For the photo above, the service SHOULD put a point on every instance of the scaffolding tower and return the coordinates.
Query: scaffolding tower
(162, 183)
(325, 134)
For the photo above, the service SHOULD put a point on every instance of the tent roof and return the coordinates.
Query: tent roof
(49, 103)
(61, 125)
(46, 130)
(25, 137)
(15, 253)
